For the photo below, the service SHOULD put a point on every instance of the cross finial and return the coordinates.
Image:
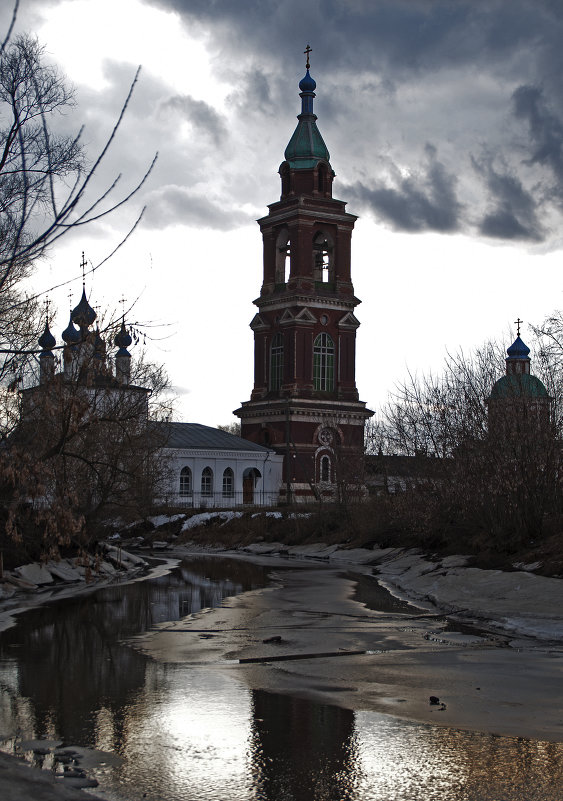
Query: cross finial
(308, 50)
(122, 301)
(83, 266)
(70, 300)
(517, 323)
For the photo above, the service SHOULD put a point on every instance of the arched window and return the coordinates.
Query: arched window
(325, 469)
(283, 257)
(228, 483)
(185, 481)
(276, 362)
(207, 482)
(323, 269)
(323, 363)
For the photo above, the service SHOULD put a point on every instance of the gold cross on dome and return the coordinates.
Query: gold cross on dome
(308, 50)
(517, 323)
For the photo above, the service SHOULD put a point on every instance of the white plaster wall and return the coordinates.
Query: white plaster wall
(266, 489)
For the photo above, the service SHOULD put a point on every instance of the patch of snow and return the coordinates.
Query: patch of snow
(530, 567)
(232, 516)
(161, 520)
(203, 517)
(274, 515)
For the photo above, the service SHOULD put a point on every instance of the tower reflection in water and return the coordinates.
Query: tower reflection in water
(301, 750)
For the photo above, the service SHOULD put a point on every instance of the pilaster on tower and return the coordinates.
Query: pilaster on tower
(305, 402)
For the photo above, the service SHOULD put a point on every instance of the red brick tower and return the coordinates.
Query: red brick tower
(305, 403)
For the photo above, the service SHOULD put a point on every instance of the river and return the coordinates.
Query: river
(192, 732)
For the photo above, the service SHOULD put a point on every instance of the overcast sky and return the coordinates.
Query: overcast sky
(444, 121)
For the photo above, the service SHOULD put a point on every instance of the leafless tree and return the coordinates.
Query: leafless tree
(496, 482)
(46, 187)
(86, 448)
(44, 178)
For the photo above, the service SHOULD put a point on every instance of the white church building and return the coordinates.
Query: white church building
(209, 468)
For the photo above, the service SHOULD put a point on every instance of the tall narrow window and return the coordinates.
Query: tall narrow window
(207, 482)
(185, 481)
(323, 363)
(325, 469)
(276, 362)
(228, 483)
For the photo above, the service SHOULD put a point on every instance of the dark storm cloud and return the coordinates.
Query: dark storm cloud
(391, 75)
(199, 114)
(420, 202)
(513, 210)
(545, 129)
(171, 205)
(408, 34)
(475, 52)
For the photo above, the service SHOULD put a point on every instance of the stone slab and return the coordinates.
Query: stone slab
(62, 570)
(34, 573)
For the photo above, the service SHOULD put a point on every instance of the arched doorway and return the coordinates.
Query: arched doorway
(249, 480)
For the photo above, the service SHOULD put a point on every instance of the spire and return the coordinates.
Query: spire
(306, 147)
(83, 314)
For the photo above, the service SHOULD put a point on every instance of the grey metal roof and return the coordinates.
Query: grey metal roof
(194, 435)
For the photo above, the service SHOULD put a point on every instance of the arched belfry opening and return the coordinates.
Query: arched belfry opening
(283, 257)
(323, 258)
(305, 329)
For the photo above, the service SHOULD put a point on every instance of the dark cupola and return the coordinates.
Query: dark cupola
(83, 315)
(46, 358)
(123, 357)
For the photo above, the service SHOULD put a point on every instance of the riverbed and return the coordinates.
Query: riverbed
(147, 681)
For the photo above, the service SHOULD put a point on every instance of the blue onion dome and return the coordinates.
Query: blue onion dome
(83, 315)
(122, 339)
(46, 340)
(71, 335)
(518, 350)
(307, 84)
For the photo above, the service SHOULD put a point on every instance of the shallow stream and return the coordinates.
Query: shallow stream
(187, 733)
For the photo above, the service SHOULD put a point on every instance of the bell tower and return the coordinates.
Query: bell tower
(304, 403)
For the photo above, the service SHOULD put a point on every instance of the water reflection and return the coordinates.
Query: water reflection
(301, 750)
(188, 733)
(68, 656)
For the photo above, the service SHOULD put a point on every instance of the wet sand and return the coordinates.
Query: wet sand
(488, 681)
